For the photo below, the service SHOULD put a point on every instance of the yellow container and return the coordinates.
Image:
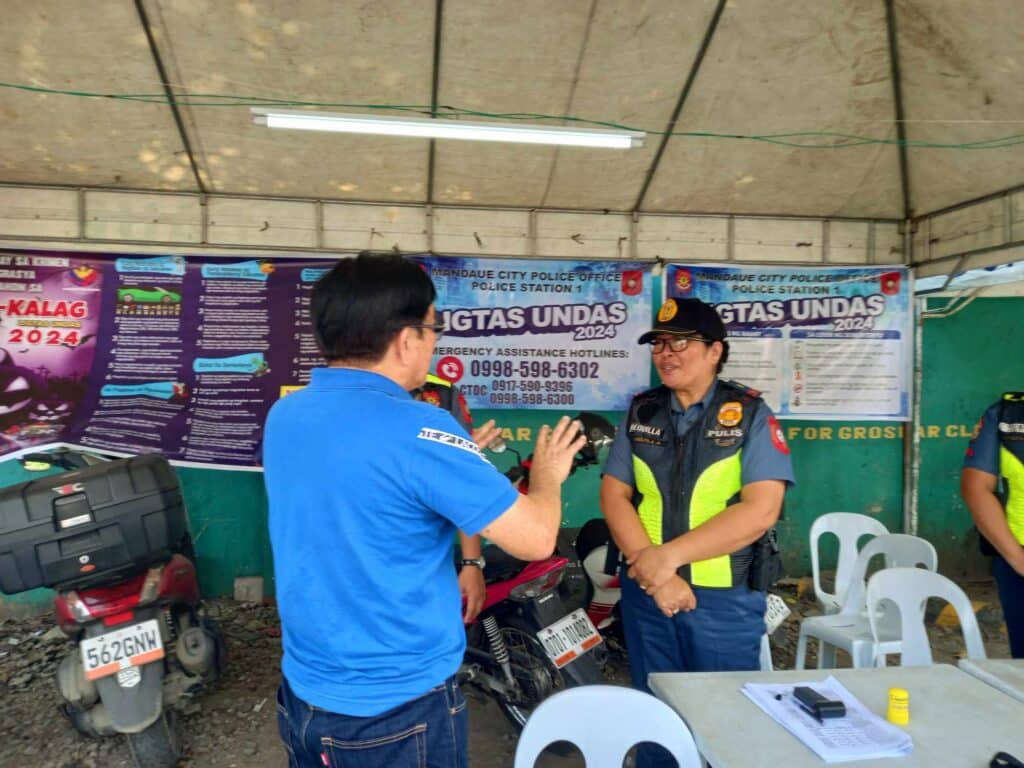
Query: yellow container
(899, 706)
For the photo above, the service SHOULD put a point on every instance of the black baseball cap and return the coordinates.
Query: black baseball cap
(687, 317)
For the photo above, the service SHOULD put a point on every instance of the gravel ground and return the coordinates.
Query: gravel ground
(234, 724)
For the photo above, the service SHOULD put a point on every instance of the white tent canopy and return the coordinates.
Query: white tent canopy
(927, 72)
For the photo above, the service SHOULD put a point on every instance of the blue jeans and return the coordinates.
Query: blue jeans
(723, 633)
(431, 731)
(1011, 594)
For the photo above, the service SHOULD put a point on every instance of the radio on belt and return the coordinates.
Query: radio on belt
(817, 705)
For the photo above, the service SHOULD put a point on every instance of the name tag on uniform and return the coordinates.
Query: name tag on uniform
(645, 433)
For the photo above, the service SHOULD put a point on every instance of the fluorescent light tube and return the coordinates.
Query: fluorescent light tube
(447, 129)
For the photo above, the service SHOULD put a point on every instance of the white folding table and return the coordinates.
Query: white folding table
(1005, 674)
(956, 721)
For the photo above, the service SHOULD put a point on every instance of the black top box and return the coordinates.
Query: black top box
(78, 528)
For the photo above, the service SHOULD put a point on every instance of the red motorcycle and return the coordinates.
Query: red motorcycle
(526, 643)
(110, 537)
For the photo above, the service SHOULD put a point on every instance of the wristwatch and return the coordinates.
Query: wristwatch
(479, 562)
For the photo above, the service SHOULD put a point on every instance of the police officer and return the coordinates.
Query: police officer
(992, 486)
(444, 394)
(695, 477)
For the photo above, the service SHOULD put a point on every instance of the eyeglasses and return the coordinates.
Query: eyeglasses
(437, 328)
(676, 343)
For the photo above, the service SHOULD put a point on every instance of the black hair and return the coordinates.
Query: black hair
(358, 307)
(724, 358)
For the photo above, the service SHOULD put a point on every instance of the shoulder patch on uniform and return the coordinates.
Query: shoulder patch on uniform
(777, 435)
(447, 438)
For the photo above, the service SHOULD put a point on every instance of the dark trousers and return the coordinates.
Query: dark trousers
(723, 633)
(431, 731)
(1011, 594)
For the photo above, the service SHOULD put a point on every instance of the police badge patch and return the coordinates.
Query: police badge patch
(730, 414)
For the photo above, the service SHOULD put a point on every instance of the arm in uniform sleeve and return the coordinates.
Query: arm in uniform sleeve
(978, 481)
(766, 471)
(617, 484)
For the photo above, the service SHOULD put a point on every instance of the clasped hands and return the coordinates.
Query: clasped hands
(654, 570)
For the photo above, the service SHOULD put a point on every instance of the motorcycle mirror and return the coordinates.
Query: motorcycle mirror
(61, 458)
(36, 462)
(599, 433)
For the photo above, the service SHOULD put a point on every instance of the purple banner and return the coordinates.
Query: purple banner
(137, 354)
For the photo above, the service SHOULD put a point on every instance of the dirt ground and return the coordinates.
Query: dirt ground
(234, 725)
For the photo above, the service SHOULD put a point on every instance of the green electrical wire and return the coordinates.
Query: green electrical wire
(829, 139)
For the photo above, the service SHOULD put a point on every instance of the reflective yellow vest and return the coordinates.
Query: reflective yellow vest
(1011, 459)
(682, 481)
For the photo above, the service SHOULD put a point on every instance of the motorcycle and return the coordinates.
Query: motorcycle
(526, 643)
(143, 641)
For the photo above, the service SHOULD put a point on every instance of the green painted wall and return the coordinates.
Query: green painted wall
(970, 358)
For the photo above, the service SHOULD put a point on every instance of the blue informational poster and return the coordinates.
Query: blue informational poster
(820, 343)
(542, 334)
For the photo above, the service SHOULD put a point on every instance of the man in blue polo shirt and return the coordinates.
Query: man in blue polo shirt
(692, 488)
(366, 488)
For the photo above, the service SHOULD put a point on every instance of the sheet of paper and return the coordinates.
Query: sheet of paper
(860, 735)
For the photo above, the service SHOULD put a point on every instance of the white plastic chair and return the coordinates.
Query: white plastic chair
(605, 722)
(908, 589)
(776, 612)
(765, 657)
(849, 528)
(849, 629)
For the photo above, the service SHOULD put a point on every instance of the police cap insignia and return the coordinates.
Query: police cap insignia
(668, 310)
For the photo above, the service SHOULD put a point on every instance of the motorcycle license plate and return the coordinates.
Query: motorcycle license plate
(132, 646)
(569, 638)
